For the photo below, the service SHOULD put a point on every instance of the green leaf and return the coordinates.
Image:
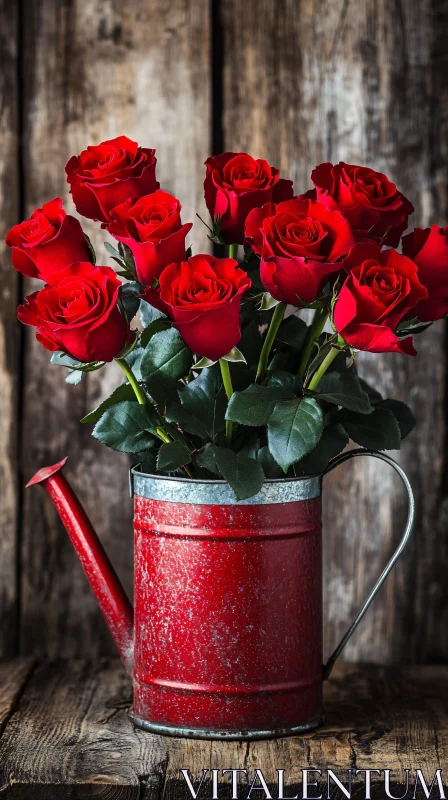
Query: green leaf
(332, 442)
(286, 380)
(157, 325)
(91, 249)
(205, 399)
(166, 354)
(285, 360)
(402, 413)
(270, 467)
(123, 256)
(112, 250)
(251, 343)
(121, 393)
(74, 377)
(134, 359)
(203, 363)
(267, 302)
(148, 313)
(376, 431)
(294, 429)
(127, 427)
(147, 461)
(244, 475)
(125, 252)
(163, 390)
(293, 332)
(252, 449)
(173, 455)
(177, 414)
(374, 396)
(410, 327)
(216, 234)
(63, 360)
(129, 299)
(235, 355)
(255, 405)
(343, 389)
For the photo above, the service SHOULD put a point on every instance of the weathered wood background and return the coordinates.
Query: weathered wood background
(297, 82)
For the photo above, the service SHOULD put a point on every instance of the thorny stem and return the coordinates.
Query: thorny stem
(276, 320)
(227, 381)
(317, 326)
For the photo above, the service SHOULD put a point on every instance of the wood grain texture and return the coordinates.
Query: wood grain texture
(311, 81)
(70, 736)
(13, 677)
(95, 70)
(10, 334)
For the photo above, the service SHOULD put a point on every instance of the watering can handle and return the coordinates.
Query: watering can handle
(335, 462)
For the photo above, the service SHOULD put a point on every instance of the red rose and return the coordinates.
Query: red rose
(380, 289)
(203, 297)
(152, 228)
(47, 242)
(300, 242)
(235, 183)
(429, 249)
(370, 202)
(79, 314)
(105, 175)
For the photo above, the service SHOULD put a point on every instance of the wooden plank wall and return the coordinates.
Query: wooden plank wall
(297, 82)
(96, 70)
(362, 82)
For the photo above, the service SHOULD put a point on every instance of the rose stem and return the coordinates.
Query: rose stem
(316, 328)
(138, 391)
(227, 381)
(162, 434)
(276, 320)
(233, 251)
(328, 360)
(141, 397)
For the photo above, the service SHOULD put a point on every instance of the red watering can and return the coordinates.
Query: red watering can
(226, 637)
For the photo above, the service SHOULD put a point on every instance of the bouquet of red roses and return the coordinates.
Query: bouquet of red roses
(223, 379)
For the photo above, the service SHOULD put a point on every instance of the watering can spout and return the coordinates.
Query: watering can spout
(114, 604)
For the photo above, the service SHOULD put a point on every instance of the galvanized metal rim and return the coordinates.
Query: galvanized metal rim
(201, 733)
(218, 492)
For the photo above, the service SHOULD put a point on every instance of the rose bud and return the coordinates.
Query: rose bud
(47, 242)
(370, 202)
(300, 242)
(428, 248)
(203, 298)
(107, 174)
(151, 227)
(235, 183)
(380, 289)
(78, 314)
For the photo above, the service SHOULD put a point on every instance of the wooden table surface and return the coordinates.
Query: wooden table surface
(65, 733)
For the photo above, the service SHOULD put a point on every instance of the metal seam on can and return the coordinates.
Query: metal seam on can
(192, 688)
(219, 493)
(230, 534)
